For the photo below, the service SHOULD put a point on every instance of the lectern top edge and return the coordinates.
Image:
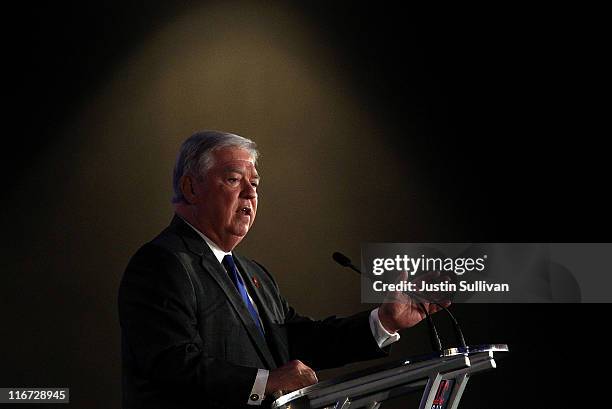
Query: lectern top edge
(382, 381)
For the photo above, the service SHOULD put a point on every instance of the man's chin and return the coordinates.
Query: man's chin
(240, 233)
(241, 228)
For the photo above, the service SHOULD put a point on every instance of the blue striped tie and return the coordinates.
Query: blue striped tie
(230, 266)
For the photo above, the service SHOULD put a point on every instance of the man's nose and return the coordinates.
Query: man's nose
(248, 191)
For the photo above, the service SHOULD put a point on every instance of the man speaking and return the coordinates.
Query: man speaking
(203, 327)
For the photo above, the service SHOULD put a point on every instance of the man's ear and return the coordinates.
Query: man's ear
(188, 189)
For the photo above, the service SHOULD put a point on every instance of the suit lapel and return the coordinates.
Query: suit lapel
(218, 273)
(264, 313)
(279, 347)
(211, 265)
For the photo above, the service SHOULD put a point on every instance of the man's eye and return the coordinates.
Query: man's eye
(254, 184)
(232, 180)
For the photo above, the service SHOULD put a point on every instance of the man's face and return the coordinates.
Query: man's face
(227, 197)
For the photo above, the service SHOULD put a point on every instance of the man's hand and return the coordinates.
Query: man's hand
(400, 311)
(289, 377)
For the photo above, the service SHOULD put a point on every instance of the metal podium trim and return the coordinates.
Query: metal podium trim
(368, 387)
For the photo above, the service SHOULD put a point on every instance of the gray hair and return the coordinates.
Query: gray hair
(196, 155)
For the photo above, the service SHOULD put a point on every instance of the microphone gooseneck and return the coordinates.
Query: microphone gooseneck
(436, 344)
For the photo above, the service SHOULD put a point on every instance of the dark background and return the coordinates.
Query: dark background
(387, 124)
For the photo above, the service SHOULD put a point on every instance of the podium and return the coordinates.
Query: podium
(441, 378)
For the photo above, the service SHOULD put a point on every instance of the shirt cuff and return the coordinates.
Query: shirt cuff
(259, 388)
(381, 335)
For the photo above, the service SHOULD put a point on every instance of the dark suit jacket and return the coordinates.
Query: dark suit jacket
(188, 340)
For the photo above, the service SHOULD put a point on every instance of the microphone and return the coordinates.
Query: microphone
(435, 339)
(344, 261)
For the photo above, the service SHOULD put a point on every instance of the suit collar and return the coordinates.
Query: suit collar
(192, 239)
(219, 254)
